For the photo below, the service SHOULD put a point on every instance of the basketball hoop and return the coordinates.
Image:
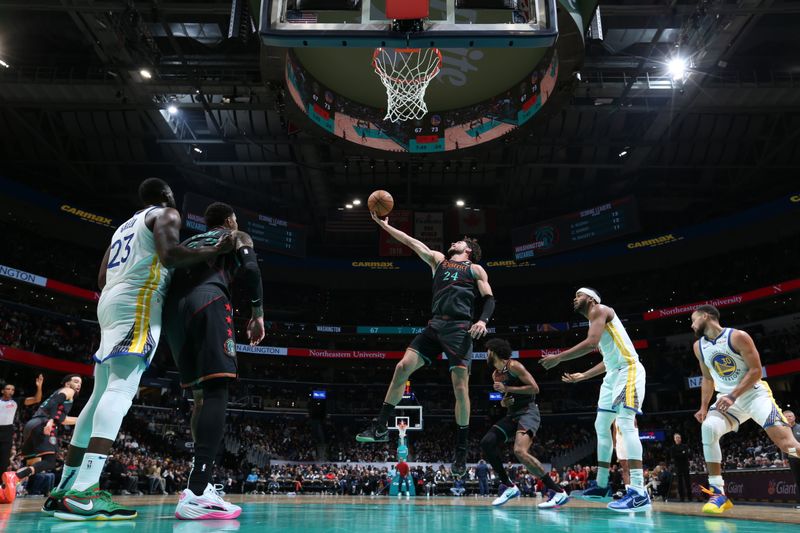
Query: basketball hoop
(406, 73)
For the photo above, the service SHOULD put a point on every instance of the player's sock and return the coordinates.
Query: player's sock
(68, 476)
(387, 410)
(22, 473)
(716, 481)
(202, 467)
(90, 470)
(602, 476)
(209, 421)
(462, 437)
(637, 479)
(550, 484)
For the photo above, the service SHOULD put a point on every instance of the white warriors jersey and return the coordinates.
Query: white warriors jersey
(129, 310)
(616, 346)
(727, 367)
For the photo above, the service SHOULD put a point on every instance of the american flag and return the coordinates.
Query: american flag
(301, 17)
(350, 220)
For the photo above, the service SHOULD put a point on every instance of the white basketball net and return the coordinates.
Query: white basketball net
(406, 72)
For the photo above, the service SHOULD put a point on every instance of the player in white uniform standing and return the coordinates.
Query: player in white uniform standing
(731, 365)
(134, 276)
(621, 396)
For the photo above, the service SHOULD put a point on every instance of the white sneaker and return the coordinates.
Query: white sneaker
(557, 499)
(207, 506)
(510, 493)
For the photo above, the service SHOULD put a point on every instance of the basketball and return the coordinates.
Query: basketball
(381, 202)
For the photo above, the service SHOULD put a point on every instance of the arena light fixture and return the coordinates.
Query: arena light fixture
(677, 67)
(349, 206)
(145, 74)
(172, 110)
(460, 203)
(356, 202)
(4, 64)
(197, 149)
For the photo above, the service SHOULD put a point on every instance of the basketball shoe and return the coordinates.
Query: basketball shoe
(91, 504)
(207, 506)
(717, 503)
(509, 494)
(53, 502)
(594, 492)
(373, 433)
(555, 500)
(633, 502)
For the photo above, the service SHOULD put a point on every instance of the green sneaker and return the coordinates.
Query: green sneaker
(53, 502)
(91, 504)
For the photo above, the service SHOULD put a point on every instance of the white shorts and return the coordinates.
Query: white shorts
(758, 404)
(623, 387)
(130, 323)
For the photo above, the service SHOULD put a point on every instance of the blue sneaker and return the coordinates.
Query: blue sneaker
(632, 502)
(508, 494)
(593, 492)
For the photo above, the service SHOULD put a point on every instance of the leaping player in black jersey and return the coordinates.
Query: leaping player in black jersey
(456, 284)
(40, 436)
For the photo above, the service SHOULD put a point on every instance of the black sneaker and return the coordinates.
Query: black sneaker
(459, 468)
(373, 434)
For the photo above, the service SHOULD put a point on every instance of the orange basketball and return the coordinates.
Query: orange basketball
(381, 202)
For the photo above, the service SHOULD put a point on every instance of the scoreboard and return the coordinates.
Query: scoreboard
(427, 135)
(269, 233)
(575, 230)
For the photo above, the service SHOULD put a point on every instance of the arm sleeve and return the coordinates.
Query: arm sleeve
(252, 275)
(488, 308)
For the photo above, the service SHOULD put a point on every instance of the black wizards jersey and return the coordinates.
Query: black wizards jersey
(218, 272)
(56, 407)
(454, 290)
(520, 400)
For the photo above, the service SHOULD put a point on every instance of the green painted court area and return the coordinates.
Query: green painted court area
(391, 516)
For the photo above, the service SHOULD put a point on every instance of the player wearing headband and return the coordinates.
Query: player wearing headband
(621, 395)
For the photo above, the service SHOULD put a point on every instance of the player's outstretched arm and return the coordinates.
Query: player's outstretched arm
(596, 370)
(255, 290)
(36, 398)
(598, 316)
(706, 387)
(432, 257)
(166, 232)
(478, 329)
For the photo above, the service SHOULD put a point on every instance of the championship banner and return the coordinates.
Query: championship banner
(726, 301)
(429, 229)
(53, 285)
(390, 247)
(7, 353)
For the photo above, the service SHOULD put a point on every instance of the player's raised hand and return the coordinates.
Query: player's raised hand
(255, 330)
(700, 415)
(478, 329)
(39, 381)
(382, 222)
(573, 378)
(549, 361)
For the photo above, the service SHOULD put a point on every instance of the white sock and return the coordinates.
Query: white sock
(68, 477)
(602, 476)
(716, 481)
(89, 474)
(637, 479)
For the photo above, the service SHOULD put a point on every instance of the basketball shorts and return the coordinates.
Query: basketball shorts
(758, 404)
(200, 333)
(130, 322)
(623, 388)
(449, 336)
(526, 420)
(34, 442)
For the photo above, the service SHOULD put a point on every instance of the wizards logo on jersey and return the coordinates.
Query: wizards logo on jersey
(725, 367)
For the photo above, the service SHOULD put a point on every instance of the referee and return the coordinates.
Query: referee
(794, 464)
(8, 413)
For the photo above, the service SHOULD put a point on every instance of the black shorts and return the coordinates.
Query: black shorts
(526, 420)
(34, 442)
(449, 336)
(200, 333)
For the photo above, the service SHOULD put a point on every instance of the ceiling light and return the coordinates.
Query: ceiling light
(356, 202)
(677, 67)
(197, 149)
(172, 110)
(144, 73)
(349, 206)
(460, 203)
(623, 153)
(4, 64)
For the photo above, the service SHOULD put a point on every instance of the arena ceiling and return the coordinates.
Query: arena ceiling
(78, 118)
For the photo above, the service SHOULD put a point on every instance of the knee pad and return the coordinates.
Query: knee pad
(712, 429)
(602, 426)
(626, 422)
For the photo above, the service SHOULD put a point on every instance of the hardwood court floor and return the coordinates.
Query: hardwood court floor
(421, 515)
